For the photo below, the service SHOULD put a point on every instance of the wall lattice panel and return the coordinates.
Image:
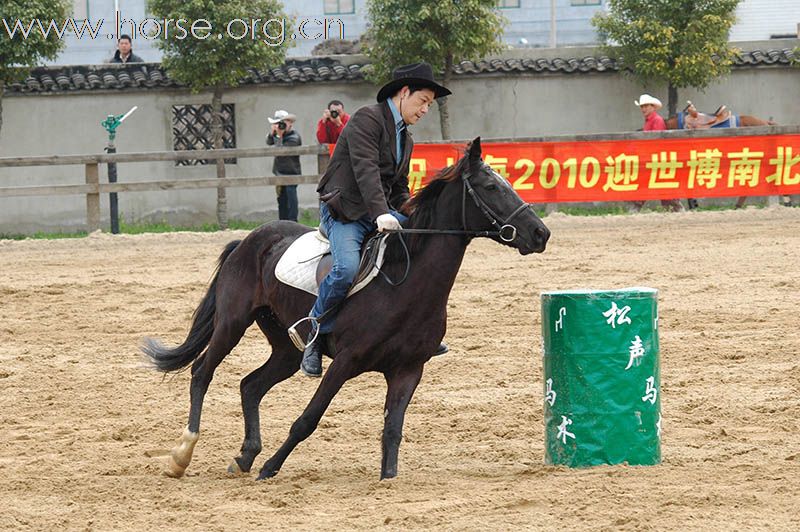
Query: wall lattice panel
(191, 130)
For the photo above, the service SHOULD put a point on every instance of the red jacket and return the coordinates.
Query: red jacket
(328, 132)
(654, 122)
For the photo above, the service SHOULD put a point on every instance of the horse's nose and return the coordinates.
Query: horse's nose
(543, 233)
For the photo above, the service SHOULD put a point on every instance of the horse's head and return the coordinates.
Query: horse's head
(491, 204)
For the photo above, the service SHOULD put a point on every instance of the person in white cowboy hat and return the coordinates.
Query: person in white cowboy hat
(652, 120)
(282, 133)
(364, 187)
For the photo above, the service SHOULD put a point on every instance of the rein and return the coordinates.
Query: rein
(502, 226)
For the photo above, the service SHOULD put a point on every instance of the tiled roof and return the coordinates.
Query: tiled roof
(153, 76)
(568, 66)
(602, 63)
(765, 57)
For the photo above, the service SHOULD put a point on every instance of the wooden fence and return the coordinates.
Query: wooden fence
(93, 188)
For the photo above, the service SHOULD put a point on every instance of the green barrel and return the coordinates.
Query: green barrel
(602, 383)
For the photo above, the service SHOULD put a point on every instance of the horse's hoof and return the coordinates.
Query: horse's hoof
(235, 470)
(265, 474)
(174, 470)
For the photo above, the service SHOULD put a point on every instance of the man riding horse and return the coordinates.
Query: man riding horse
(363, 188)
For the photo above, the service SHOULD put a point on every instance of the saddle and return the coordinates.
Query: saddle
(722, 117)
(307, 261)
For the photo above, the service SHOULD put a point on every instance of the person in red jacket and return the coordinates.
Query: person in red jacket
(653, 122)
(332, 123)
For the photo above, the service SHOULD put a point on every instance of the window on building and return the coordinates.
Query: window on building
(339, 7)
(586, 2)
(80, 9)
(191, 130)
(508, 3)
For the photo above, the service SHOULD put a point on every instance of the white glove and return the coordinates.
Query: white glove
(387, 221)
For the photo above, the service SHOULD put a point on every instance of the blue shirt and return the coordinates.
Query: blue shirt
(399, 126)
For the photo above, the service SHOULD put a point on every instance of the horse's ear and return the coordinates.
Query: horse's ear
(475, 150)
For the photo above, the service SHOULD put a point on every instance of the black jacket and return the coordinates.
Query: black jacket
(133, 58)
(286, 164)
(363, 177)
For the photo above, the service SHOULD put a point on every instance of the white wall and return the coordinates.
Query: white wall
(760, 19)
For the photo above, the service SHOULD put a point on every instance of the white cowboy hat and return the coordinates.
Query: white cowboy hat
(280, 116)
(646, 99)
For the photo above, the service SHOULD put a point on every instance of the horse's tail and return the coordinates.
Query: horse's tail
(165, 359)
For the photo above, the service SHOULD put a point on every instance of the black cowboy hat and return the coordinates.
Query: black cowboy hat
(415, 75)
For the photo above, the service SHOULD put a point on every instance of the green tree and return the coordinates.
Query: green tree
(19, 53)
(440, 32)
(213, 59)
(681, 42)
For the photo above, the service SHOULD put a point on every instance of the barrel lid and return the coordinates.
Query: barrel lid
(593, 292)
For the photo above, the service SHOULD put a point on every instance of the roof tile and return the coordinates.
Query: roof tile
(322, 69)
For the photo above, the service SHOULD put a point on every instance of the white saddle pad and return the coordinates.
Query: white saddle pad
(297, 266)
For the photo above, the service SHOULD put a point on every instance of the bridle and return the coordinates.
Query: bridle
(500, 224)
(505, 231)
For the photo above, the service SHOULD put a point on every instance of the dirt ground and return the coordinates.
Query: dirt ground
(84, 428)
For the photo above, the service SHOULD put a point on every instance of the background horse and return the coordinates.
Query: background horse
(742, 121)
(739, 121)
(386, 327)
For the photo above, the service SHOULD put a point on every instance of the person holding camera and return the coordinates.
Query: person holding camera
(332, 123)
(282, 134)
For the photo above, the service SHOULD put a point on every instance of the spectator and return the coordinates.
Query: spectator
(282, 134)
(124, 53)
(695, 119)
(653, 122)
(332, 123)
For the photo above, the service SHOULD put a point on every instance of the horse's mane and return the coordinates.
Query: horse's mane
(420, 209)
(421, 205)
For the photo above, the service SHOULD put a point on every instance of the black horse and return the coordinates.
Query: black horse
(385, 328)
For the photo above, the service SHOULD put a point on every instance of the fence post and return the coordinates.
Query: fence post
(322, 161)
(113, 201)
(92, 198)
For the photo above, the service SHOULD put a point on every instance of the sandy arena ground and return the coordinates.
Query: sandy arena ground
(84, 428)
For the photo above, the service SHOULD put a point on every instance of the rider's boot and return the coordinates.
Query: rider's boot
(311, 365)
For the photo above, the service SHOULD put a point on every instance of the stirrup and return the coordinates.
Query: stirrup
(297, 340)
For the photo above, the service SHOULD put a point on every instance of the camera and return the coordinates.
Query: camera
(282, 126)
(334, 113)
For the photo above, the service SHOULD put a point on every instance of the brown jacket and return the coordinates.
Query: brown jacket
(363, 177)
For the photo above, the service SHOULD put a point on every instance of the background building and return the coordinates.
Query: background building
(529, 25)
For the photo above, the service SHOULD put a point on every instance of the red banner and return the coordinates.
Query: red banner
(555, 172)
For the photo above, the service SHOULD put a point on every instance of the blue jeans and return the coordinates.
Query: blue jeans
(287, 203)
(346, 239)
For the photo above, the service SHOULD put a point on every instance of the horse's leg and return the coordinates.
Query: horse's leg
(401, 386)
(227, 334)
(282, 364)
(338, 373)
